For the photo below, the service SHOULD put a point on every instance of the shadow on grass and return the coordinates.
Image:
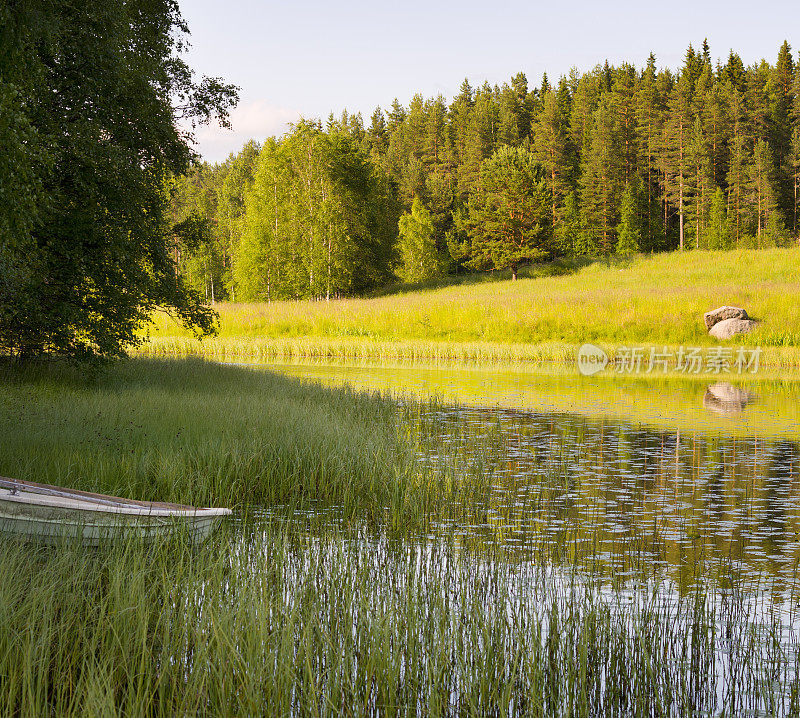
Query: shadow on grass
(555, 268)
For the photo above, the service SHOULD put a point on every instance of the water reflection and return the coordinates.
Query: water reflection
(627, 499)
(726, 399)
(627, 478)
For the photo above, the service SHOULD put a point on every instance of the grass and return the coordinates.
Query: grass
(414, 558)
(289, 626)
(648, 300)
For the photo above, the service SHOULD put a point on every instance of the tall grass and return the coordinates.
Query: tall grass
(200, 433)
(652, 300)
(278, 624)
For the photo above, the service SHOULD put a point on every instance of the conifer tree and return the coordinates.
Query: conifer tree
(630, 228)
(781, 94)
(509, 214)
(623, 106)
(675, 148)
(738, 169)
(600, 182)
(718, 229)
(761, 188)
(549, 144)
(650, 107)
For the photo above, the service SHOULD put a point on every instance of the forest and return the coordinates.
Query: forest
(613, 160)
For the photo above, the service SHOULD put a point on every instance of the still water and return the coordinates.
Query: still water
(686, 479)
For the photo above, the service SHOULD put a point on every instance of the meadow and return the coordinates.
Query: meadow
(547, 314)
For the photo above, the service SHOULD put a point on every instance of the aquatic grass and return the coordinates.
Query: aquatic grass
(273, 623)
(191, 431)
(654, 300)
(395, 556)
(194, 432)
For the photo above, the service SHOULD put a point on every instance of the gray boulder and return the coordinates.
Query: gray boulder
(730, 327)
(722, 313)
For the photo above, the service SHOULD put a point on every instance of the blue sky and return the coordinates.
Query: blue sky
(310, 58)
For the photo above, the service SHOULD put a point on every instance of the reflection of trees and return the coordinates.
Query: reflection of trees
(628, 498)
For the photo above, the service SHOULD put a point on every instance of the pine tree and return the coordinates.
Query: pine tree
(761, 188)
(600, 182)
(650, 109)
(701, 182)
(571, 236)
(718, 230)
(781, 94)
(738, 168)
(623, 105)
(550, 147)
(509, 214)
(675, 149)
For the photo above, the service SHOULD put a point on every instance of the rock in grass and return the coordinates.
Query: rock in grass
(721, 313)
(729, 327)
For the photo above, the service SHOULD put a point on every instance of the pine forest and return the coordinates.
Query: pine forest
(616, 160)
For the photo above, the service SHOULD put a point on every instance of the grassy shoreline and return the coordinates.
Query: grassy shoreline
(443, 587)
(647, 301)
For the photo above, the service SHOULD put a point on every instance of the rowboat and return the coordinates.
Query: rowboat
(51, 513)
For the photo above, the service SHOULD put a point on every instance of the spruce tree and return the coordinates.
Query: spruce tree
(630, 228)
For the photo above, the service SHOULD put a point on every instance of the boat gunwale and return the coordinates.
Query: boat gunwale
(56, 497)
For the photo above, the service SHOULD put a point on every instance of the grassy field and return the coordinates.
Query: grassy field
(648, 300)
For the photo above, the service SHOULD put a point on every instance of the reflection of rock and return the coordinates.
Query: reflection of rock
(728, 327)
(727, 399)
(721, 313)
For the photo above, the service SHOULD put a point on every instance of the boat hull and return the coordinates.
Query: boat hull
(50, 514)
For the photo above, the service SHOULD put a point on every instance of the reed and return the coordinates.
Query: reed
(281, 624)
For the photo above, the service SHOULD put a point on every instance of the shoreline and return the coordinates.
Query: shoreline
(542, 358)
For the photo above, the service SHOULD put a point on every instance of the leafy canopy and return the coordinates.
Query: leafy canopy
(92, 94)
(509, 220)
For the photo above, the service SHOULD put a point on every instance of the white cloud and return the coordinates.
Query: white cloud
(250, 120)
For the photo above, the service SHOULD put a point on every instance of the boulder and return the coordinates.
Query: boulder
(729, 327)
(721, 313)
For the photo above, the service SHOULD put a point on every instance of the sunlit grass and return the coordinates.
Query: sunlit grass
(652, 300)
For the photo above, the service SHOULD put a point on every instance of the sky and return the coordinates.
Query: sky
(307, 59)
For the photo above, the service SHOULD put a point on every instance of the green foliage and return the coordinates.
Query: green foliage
(89, 136)
(630, 228)
(420, 259)
(718, 227)
(683, 134)
(319, 221)
(509, 214)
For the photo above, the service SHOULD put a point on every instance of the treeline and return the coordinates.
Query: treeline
(612, 160)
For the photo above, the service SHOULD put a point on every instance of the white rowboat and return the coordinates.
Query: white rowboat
(50, 513)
